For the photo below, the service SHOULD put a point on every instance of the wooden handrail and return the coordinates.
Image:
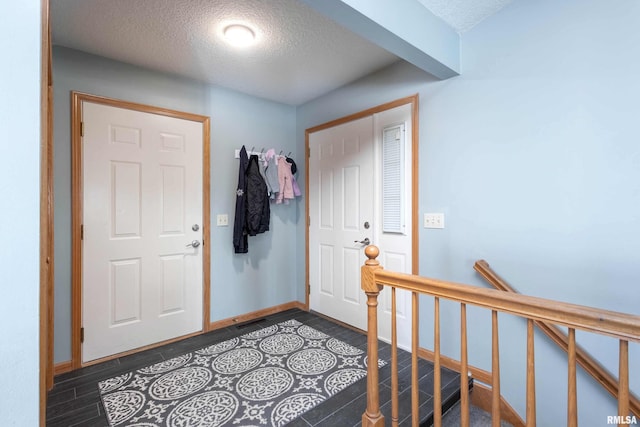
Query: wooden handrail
(603, 322)
(584, 359)
(624, 327)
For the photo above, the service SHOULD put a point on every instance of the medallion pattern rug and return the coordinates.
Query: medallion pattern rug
(267, 377)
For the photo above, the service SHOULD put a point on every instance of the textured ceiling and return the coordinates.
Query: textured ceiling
(299, 55)
(462, 15)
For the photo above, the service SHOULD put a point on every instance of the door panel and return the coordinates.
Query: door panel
(124, 293)
(351, 198)
(173, 197)
(173, 284)
(142, 192)
(125, 199)
(352, 260)
(326, 272)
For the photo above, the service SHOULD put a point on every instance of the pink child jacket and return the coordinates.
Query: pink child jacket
(285, 179)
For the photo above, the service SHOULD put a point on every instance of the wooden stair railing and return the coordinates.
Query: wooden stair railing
(624, 327)
(584, 359)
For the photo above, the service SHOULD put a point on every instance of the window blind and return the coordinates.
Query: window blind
(393, 179)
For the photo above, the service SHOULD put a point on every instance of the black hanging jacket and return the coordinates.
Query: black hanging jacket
(257, 200)
(240, 241)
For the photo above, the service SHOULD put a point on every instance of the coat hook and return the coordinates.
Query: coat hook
(289, 155)
(252, 148)
(262, 150)
(280, 153)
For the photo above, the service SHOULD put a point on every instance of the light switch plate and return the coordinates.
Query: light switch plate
(223, 220)
(434, 220)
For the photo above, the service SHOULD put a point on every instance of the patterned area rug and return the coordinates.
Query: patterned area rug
(267, 377)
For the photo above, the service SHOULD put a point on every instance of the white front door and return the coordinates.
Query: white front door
(142, 206)
(346, 207)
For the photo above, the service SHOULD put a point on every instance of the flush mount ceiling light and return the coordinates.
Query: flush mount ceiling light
(239, 35)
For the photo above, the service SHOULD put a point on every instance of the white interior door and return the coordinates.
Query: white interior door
(345, 195)
(142, 205)
(340, 203)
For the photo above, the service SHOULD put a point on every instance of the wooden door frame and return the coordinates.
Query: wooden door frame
(413, 101)
(77, 202)
(46, 214)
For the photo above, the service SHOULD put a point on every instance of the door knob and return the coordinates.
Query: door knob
(366, 241)
(194, 244)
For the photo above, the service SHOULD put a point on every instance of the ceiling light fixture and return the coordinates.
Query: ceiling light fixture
(239, 35)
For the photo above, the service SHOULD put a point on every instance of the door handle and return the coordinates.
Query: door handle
(194, 244)
(366, 241)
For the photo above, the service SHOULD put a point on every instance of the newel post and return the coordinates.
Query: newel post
(372, 416)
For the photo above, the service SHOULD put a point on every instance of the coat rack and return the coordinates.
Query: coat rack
(260, 153)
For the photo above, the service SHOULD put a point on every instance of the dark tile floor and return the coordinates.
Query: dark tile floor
(75, 400)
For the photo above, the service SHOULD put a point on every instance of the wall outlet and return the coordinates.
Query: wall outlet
(223, 220)
(434, 220)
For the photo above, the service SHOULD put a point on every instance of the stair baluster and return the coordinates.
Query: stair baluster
(464, 369)
(531, 377)
(415, 345)
(437, 398)
(623, 382)
(394, 361)
(572, 405)
(495, 374)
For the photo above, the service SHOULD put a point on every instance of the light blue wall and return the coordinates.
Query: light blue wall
(264, 277)
(239, 283)
(20, 214)
(533, 156)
